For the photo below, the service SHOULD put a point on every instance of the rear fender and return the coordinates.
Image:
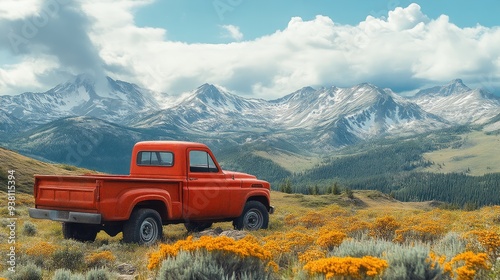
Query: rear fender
(131, 199)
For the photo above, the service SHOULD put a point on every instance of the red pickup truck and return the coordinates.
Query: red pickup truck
(169, 182)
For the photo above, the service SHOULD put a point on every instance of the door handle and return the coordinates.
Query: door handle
(192, 179)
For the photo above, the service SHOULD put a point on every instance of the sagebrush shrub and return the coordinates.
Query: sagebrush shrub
(495, 270)
(411, 262)
(27, 272)
(98, 274)
(245, 257)
(405, 261)
(360, 248)
(29, 229)
(203, 264)
(64, 274)
(68, 257)
(449, 246)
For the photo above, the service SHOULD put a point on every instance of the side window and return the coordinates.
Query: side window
(154, 158)
(200, 161)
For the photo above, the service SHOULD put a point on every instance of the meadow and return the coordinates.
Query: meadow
(358, 235)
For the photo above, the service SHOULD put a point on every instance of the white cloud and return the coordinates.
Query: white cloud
(406, 18)
(18, 9)
(403, 51)
(232, 31)
(27, 75)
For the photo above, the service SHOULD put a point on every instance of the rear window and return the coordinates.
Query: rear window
(155, 158)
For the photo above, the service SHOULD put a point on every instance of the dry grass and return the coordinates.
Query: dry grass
(295, 215)
(476, 155)
(26, 167)
(289, 161)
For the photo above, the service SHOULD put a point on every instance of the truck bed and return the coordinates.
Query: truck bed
(104, 194)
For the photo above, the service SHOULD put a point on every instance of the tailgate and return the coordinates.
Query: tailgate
(66, 192)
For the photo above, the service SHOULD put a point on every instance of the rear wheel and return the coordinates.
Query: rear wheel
(79, 232)
(143, 227)
(254, 217)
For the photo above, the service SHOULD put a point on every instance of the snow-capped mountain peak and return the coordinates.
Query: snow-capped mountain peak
(458, 103)
(301, 94)
(216, 98)
(82, 95)
(453, 88)
(208, 93)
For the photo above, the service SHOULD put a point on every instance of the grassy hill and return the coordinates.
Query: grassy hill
(459, 166)
(476, 153)
(471, 150)
(26, 167)
(290, 161)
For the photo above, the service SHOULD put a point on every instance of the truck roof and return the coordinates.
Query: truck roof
(179, 144)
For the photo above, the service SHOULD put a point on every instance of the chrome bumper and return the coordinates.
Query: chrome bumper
(271, 209)
(65, 216)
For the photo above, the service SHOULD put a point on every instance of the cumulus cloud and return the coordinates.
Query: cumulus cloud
(404, 51)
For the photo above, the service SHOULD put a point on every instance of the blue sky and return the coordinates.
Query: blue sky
(198, 21)
(261, 49)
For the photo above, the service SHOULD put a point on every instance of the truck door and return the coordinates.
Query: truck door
(208, 189)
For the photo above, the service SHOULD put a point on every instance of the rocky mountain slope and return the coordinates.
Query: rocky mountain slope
(458, 104)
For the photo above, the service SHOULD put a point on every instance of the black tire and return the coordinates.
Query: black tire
(254, 217)
(197, 226)
(79, 232)
(144, 227)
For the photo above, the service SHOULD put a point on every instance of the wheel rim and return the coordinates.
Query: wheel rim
(253, 220)
(149, 231)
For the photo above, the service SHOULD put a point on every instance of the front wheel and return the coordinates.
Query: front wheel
(143, 227)
(254, 217)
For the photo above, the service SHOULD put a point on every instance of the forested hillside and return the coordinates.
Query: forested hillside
(393, 166)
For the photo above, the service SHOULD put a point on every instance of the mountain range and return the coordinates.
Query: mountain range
(82, 96)
(93, 125)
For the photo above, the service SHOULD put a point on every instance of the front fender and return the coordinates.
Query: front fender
(258, 195)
